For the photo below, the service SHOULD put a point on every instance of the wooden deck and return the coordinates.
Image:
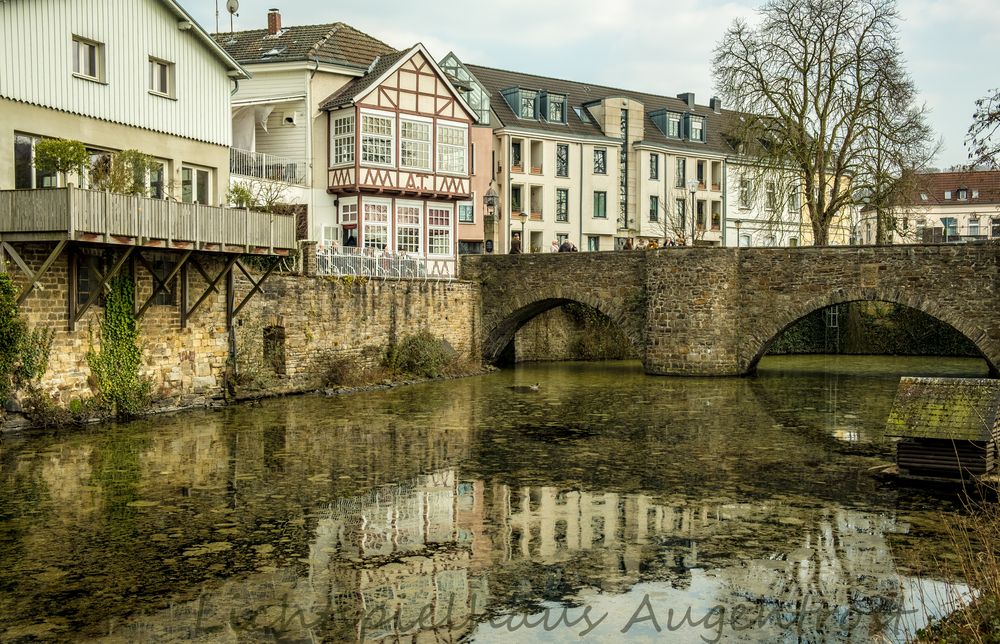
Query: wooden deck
(72, 214)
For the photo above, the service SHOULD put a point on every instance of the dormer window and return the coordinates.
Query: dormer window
(923, 196)
(674, 124)
(523, 102)
(555, 108)
(529, 101)
(582, 114)
(697, 128)
(963, 193)
(975, 194)
(947, 195)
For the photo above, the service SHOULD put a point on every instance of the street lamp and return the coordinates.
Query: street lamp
(692, 185)
(491, 200)
(524, 219)
(738, 222)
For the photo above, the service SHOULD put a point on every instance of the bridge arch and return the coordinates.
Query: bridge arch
(769, 330)
(504, 321)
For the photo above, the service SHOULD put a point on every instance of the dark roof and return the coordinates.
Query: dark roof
(579, 94)
(947, 408)
(935, 184)
(345, 94)
(330, 43)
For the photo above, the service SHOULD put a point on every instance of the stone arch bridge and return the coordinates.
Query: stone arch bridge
(716, 311)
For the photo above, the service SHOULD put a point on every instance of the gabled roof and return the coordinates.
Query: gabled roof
(580, 94)
(335, 43)
(935, 184)
(946, 408)
(381, 69)
(219, 52)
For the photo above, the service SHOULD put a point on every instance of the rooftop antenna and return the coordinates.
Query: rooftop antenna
(216, 16)
(232, 6)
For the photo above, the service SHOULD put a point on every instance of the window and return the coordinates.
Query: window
(195, 185)
(515, 199)
(562, 160)
(562, 205)
(794, 204)
(593, 243)
(680, 208)
(561, 237)
(408, 232)
(452, 149)
(744, 241)
(950, 227)
(995, 227)
(342, 144)
(975, 194)
(771, 196)
(974, 226)
(716, 215)
(947, 194)
(515, 154)
(674, 124)
(923, 196)
(601, 205)
(439, 231)
(26, 177)
(681, 174)
(793, 241)
(600, 161)
(700, 169)
(697, 128)
(557, 108)
(700, 215)
(654, 208)
(467, 212)
(161, 77)
(376, 139)
(415, 144)
(528, 101)
(963, 193)
(162, 268)
(654, 166)
(88, 58)
(376, 223)
(348, 212)
(744, 193)
(157, 180)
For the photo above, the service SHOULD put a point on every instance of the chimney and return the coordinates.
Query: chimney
(273, 21)
(687, 97)
(715, 104)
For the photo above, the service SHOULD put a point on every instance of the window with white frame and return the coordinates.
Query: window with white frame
(974, 226)
(408, 230)
(196, 185)
(562, 205)
(88, 58)
(674, 124)
(654, 166)
(26, 177)
(414, 144)
(439, 231)
(376, 224)
(452, 148)
(697, 128)
(377, 139)
(161, 77)
(794, 204)
(467, 212)
(771, 196)
(342, 139)
(348, 212)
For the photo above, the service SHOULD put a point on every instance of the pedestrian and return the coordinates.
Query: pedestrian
(566, 247)
(628, 244)
(515, 245)
(652, 245)
(554, 248)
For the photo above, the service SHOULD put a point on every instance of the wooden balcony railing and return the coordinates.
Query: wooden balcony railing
(86, 215)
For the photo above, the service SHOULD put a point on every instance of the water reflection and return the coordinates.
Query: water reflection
(465, 508)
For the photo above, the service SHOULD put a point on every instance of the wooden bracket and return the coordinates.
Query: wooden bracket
(159, 286)
(256, 287)
(34, 278)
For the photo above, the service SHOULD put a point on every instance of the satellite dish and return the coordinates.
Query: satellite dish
(232, 6)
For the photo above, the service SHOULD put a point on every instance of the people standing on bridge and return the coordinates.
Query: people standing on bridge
(515, 244)
(567, 247)
(554, 248)
(628, 244)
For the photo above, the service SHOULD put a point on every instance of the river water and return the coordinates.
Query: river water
(607, 503)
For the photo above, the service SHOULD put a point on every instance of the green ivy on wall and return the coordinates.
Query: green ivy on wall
(24, 353)
(115, 363)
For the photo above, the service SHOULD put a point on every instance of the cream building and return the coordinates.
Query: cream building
(116, 75)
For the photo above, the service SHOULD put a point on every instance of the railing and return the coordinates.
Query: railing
(74, 214)
(369, 262)
(269, 167)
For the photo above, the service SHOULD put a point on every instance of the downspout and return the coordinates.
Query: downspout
(725, 202)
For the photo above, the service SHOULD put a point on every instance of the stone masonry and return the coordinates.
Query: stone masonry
(715, 311)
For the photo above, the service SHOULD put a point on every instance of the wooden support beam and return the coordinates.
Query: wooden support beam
(159, 285)
(104, 279)
(212, 285)
(183, 302)
(256, 284)
(73, 293)
(33, 277)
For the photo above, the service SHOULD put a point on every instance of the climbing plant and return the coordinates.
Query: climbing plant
(115, 363)
(24, 352)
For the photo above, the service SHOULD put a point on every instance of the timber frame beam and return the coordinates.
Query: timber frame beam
(34, 278)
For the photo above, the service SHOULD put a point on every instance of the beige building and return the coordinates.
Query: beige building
(138, 77)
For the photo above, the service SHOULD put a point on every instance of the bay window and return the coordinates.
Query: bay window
(342, 140)
(452, 148)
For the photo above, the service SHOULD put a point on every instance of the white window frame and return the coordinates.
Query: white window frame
(700, 122)
(471, 204)
(347, 210)
(427, 143)
(48, 180)
(369, 206)
(389, 140)
(342, 136)
(195, 170)
(409, 226)
(167, 77)
(441, 228)
(81, 65)
(444, 148)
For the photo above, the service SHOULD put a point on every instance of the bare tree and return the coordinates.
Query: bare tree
(983, 142)
(819, 90)
(671, 224)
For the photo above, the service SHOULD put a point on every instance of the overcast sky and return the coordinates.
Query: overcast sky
(647, 45)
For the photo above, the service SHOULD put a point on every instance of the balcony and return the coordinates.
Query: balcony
(266, 167)
(368, 262)
(71, 214)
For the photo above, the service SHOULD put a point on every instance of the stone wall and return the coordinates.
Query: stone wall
(321, 319)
